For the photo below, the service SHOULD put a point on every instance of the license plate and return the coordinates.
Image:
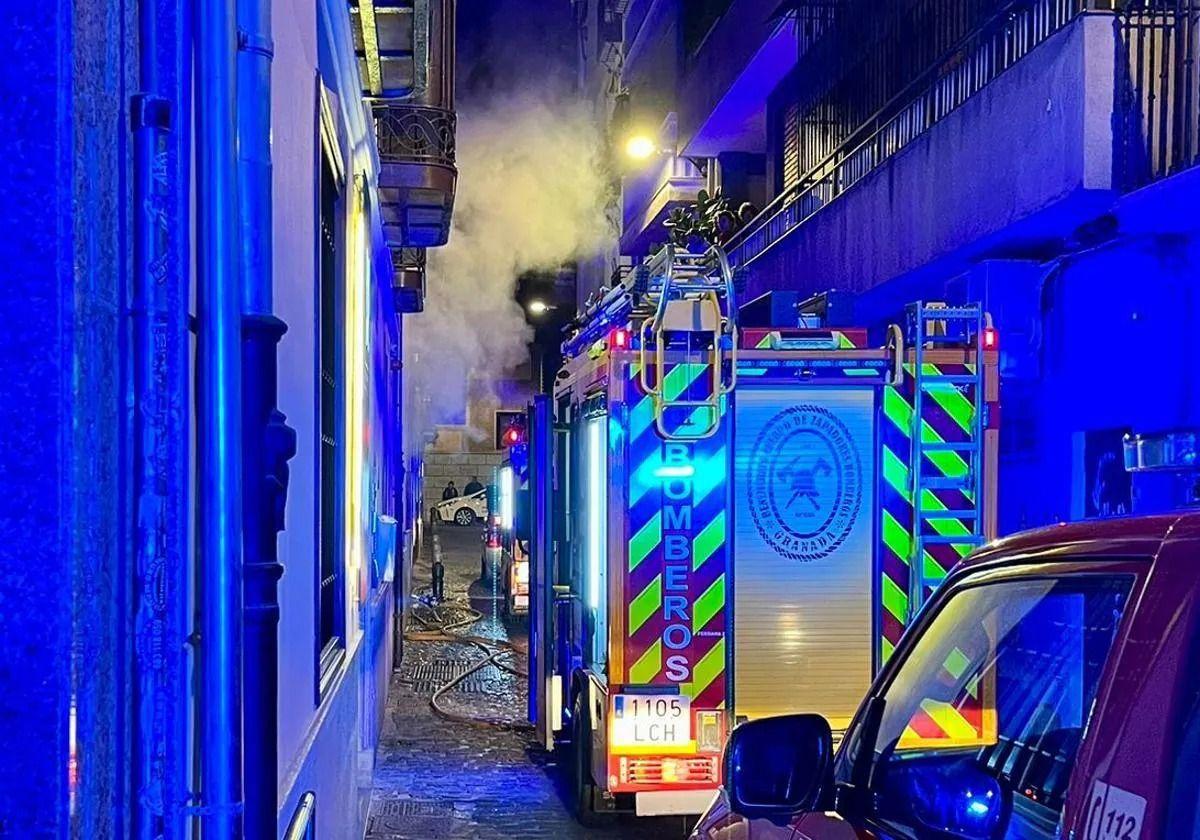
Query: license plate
(652, 720)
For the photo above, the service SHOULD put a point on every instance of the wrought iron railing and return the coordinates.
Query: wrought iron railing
(962, 71)
(414, 133)
(1159, 89)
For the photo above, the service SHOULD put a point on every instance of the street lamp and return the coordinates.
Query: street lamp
(641, 147)
(538, 307)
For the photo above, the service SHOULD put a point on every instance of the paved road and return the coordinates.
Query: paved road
(439, 778)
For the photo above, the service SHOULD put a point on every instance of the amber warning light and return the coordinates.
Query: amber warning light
(991, 339)
(618, 339)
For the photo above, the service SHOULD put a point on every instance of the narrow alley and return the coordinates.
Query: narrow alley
(438, 777)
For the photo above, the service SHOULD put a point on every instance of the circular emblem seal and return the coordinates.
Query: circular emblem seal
(805, 482)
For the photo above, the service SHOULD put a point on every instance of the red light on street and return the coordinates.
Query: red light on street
(511, 436)
(991, 339)
(618, 339)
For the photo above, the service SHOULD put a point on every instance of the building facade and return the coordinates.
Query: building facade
(1033, 155)
(209, 509)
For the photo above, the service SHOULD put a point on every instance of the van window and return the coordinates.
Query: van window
(982, 722)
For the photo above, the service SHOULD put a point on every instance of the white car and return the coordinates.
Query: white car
(462, 510)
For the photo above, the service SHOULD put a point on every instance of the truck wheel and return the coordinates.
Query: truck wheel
(582, 787)
(464, 516)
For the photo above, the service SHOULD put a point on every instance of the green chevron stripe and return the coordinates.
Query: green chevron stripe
(895, 472)
(895, 600)
(887, 648)
(956, 663)
(643, 479)
(646, 604)
(933, 570)
(641, 417)
(844, 343)
(708, 604)
(900, 413)
(648, 665)
(680, 378)
(945, 526)
(645, 540)
(708, 540)
(953, 401)
(710, 666)
(897, 410)
(896, 537)
(764, 343)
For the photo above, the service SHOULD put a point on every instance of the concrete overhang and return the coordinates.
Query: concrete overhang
(643, 226)
(738, 121)
(1017, 169)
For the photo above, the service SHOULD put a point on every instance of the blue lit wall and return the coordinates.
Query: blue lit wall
(64, 79)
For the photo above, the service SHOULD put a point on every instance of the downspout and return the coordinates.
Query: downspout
(218, 433)
(160, 419)
(268, 443)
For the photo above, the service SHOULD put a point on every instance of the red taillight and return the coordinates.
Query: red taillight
(618, 339)
(991, 338)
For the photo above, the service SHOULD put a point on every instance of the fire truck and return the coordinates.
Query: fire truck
(736, 513)
(504, 564)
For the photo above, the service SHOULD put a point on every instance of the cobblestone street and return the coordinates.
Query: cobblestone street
(441, 778)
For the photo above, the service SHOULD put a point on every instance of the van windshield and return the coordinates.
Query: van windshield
(984, 717)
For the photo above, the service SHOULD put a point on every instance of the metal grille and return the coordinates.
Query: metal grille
(913, 67)
(1159, 89)
(415, 134)
(428, 677)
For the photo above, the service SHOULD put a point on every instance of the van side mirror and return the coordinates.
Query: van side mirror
(779, 765)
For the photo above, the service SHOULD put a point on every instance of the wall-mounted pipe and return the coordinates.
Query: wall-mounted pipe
(268, 442)
(218, 433)
(160, 419)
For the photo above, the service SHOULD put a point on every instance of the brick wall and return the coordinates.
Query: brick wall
(442, 467)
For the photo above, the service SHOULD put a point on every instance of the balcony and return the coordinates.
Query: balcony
(666, 181)
(417, 176)
(408, 280)
(405, 51)
(1005, 144)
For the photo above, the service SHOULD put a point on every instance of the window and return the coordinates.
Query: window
(330, 630)
(982, 722)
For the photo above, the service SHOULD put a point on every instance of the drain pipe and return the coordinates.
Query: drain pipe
(267, 442)
(218, 433)
(161, 132)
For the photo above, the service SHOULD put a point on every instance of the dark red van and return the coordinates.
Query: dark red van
(1050, 690)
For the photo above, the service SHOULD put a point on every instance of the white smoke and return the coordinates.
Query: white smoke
(531, 196)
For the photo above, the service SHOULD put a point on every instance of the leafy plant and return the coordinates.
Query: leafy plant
(711, 220)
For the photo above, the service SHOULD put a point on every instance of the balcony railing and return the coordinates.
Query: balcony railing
(972, 63)
(415, 134)
(1159, 89)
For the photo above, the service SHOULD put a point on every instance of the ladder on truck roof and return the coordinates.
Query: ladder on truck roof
(931, 325)
(692, 296)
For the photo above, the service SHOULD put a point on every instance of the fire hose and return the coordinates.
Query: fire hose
(441, 628)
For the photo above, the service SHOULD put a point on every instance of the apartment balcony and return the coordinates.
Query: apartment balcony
(417, 175)
(408, 280)
(1005, 146)
(664, 182)
(405, 51)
